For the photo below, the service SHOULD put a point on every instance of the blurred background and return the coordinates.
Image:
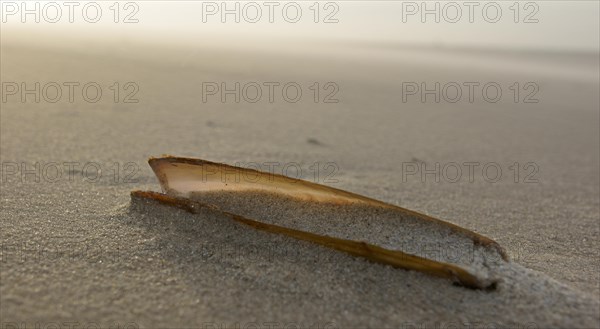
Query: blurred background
(535, 25)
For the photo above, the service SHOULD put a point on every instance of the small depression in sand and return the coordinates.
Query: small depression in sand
(383, 227)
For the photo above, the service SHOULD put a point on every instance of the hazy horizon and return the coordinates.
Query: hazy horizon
(537, 25)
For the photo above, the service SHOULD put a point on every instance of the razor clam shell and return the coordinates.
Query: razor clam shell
(279, 204)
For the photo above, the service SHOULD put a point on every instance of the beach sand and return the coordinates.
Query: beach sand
(75, 249)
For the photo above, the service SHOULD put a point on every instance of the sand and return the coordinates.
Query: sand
(76, 249)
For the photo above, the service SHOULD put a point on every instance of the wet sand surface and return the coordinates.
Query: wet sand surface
(76, 250)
